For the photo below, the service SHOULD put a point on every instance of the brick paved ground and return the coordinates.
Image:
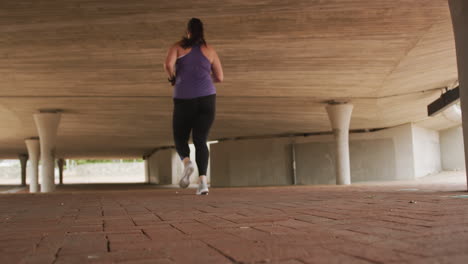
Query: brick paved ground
(290, 225)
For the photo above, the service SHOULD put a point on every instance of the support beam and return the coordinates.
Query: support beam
(47, 126)
(60, 164)
(33, 168)
(23, 161)
(147, 170)
(340, 117)
(459, 11)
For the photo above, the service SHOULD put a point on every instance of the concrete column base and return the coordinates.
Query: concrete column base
(33, 168)
(47, 126)
(60, 164)
(23, 161)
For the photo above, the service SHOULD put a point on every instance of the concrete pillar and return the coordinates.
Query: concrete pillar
(459, 11)
(340, 117)
(162, 167)
(23, 161)
(60, 164)
(47, 126)
(147, 170)
(33, 168)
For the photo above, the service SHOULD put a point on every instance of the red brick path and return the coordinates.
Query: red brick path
(290, 225)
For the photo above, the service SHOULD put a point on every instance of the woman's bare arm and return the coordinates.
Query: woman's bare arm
(169, 64)
(217, 68)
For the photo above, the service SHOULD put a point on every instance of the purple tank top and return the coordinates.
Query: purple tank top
(193, 76)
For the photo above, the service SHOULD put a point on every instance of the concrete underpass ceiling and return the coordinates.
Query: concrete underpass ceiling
(101, 62)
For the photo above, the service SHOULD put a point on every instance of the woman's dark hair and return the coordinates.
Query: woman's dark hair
(195, 28)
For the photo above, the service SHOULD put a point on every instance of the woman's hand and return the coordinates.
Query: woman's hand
(171, 80)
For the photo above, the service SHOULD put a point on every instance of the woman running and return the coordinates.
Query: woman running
(193, 66)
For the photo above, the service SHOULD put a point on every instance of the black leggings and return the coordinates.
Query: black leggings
(196, 115)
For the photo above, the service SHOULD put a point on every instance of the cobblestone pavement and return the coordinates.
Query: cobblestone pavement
(290, 225)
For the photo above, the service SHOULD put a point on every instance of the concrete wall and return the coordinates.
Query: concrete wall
(400, 153)
(426, 151)
(147, 171)
(161, 166)
(381, 155)
(378, 156)
(269, 161)
(403, 144)
(452, 148)
(255, 162)
(371, 160)
(315, 163)
(165, 167)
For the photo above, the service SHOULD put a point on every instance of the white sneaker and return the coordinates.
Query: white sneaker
(202, 188)
(185, 180)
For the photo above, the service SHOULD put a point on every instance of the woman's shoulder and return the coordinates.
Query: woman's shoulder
(177, 44)
(175, 47)
(209, 48)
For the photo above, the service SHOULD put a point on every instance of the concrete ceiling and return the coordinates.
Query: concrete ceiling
(101, 62)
